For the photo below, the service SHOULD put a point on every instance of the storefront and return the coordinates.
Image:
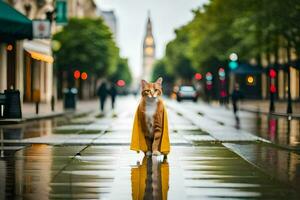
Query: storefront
(17, 27)
(38, 71)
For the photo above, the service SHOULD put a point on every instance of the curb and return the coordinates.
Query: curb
(290, 116)
(40, 117)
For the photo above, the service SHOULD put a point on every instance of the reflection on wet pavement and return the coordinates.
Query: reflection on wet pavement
(279, 130)
(275, 162)
(150, 180)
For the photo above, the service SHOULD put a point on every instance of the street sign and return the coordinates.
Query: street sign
(61, 12)
(41, 29)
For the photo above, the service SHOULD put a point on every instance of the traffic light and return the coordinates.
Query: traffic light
(272, 88)
(221, 73)
(272, 73)
(208, 76)
(76, 74)
(84, 76)
(198, 76)
(233, 64)
(233, 57)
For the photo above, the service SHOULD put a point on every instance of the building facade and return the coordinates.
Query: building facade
(111, 21)
(27, 64)
(148, 52)
(82, 8)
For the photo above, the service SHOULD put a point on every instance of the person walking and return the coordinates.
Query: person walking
(113, 94)
(236, 95)
(102, 93)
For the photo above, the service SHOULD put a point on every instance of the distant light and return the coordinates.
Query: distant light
(233, 64)
(233, 57)
(208, 82)
(208, 76)
(221, 72)
(198, 76)
(223, 93)
(250, 80)
(76, 74)
(209, 87)
(272, 73)
(121, 83)
(9, 47)
(272, 88)
(84, 75)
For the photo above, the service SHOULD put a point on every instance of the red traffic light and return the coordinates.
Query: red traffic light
(272, 73)
(272, 88)
(76, 74)
(198, 76)
(121, 83)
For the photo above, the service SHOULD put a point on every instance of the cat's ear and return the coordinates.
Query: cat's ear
(159, 80)
(143, 83)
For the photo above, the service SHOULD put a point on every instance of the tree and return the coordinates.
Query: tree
(160, 69)
(122, 72)
(86, 45)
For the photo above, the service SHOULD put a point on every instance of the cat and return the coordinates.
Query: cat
(150, 133)
(151, 110)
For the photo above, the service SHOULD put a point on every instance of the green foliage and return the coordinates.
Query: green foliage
(250, 28)
(122, 72)
(160, 69)
(86, 45)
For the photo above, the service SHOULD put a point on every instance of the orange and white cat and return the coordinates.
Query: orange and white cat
(150, 132)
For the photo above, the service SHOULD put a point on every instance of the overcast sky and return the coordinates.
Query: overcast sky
(166, 15)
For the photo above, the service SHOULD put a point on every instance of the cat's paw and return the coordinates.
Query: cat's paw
(148, 153)
(156, 153)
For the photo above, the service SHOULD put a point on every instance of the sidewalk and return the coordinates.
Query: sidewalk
(262, 106)
(29, 110)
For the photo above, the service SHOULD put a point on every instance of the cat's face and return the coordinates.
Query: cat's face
(152, 90)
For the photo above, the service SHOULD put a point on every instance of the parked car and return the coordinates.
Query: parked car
(186, 92)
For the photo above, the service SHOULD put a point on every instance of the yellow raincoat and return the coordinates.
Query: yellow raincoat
(138, 141)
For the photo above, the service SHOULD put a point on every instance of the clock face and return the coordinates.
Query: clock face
(149, 51)
(149, 41)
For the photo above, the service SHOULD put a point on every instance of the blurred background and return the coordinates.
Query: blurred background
(50, 46)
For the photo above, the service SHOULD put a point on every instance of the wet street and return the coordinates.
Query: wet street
(87, 157)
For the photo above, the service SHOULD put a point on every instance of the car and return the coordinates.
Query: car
(186, 92)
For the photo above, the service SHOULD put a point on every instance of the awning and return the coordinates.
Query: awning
(39, 50)
(41, 57)
(247, 69)
(13, 24)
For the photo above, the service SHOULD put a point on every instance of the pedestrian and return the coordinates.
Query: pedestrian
(113, 94)
(102, 93)
(236, 95)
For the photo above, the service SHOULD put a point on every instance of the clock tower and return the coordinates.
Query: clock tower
(148, 51)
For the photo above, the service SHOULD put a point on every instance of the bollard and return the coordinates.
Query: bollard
(52, 104)
(37, 107)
